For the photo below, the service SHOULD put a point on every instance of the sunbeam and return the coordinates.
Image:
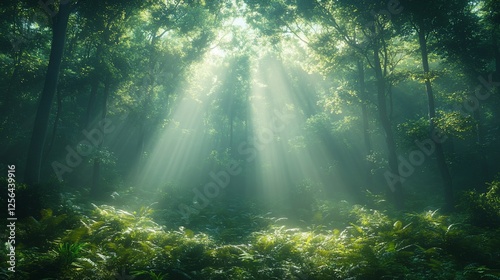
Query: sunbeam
(276, 120)
(175, 154)
(250, 139)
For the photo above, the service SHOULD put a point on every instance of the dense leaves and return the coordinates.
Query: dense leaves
(344, 241)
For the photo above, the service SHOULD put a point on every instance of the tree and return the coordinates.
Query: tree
(39, 133)
(354, 25)
(424, 18)
(168, 37)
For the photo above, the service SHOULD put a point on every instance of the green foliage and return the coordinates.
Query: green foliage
(483, 208)
(152, 275)
(319, 124)
(455, 124)
(342, 241)
(47, 228)
(67, 253)
(133, 60)
(413, 130)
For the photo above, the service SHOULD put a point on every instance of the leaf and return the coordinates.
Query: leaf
(391, 247)
(46, 213)
(357, 228)
(245, 256)
(449, 228)
(189, 233)
(76, 234)
(398, 225)
(56, 220)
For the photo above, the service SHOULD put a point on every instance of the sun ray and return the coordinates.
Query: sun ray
(175, 154)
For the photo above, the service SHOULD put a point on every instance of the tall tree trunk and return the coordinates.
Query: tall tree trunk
(365, 120)
(96, 189)
(493, 89)
(56, 123)
(391, 103)
(35, 150)
(231, 130)
(480, 143)
(364, 109)
(94, 87)
(396, 184)
(496, 52)
(441, 160)
(142, 121)
(90, 120)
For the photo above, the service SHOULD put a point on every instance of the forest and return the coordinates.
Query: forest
(250, 139)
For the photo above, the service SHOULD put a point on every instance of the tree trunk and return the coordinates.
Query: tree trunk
(35, 150)
(365, 120)
(90, 120)
(396, 184)
(96, 189)
(480, 144)
(231, 130)
(56, 123)
(391, 103)
(441, 160)
(94, 87)
(364, 109)
(496, 51)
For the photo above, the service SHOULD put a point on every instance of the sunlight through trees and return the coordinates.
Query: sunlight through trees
(250, 139)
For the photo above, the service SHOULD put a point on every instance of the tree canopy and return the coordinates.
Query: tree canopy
(165, 121)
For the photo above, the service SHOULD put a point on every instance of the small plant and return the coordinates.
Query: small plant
(49, 227)
(67, 253)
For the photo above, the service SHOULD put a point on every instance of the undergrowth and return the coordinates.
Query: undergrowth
(229, 240)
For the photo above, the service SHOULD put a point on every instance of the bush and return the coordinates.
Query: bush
(483, 209)
(346, 242)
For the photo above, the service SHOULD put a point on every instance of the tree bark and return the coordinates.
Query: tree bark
(441, 160)
(56, 123)
(366, 127)
(231, 128)
(480, 144)
(96, 189)
(364, 109)
(396, 186)
(94, 87)
(38, 137)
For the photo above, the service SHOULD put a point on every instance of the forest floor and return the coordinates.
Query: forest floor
(231, 239)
